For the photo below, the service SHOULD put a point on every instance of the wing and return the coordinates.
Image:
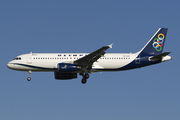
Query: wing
(89, 59)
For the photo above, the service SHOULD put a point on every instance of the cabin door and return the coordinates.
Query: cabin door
(29, 58)
(138, 60)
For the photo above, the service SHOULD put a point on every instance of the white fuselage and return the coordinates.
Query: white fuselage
(49, 61)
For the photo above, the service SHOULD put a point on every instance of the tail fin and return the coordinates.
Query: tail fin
(155, 44)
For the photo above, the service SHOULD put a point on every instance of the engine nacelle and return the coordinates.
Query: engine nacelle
(64, 76)
(67, 67)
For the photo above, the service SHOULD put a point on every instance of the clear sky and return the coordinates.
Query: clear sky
(42, 26)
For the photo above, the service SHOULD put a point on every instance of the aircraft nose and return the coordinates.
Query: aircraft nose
(9, 65)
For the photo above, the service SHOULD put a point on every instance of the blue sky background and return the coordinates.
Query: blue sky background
(42, 26)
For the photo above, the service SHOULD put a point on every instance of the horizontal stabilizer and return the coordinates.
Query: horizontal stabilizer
(160, 56)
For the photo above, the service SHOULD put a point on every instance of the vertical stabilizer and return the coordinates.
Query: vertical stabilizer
(155, 44)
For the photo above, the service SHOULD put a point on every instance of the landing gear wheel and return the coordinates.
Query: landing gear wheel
(29, 78)
(86, 75)
(83, 81)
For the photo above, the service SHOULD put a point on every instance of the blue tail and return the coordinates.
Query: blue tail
(155, 44)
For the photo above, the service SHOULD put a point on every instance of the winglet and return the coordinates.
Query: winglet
(110, 45)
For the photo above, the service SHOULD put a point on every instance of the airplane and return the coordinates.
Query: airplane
(68, 65)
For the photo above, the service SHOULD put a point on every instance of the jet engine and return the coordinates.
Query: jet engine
(67, 67)
(64, 76)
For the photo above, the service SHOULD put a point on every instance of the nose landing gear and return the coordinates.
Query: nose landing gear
(29, 78)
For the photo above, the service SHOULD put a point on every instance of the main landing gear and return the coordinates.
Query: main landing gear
(85, 77)
(29, 78)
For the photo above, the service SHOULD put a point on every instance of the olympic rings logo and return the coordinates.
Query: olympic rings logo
(158, 42)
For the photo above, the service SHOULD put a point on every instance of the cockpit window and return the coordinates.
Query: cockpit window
(17, 58)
